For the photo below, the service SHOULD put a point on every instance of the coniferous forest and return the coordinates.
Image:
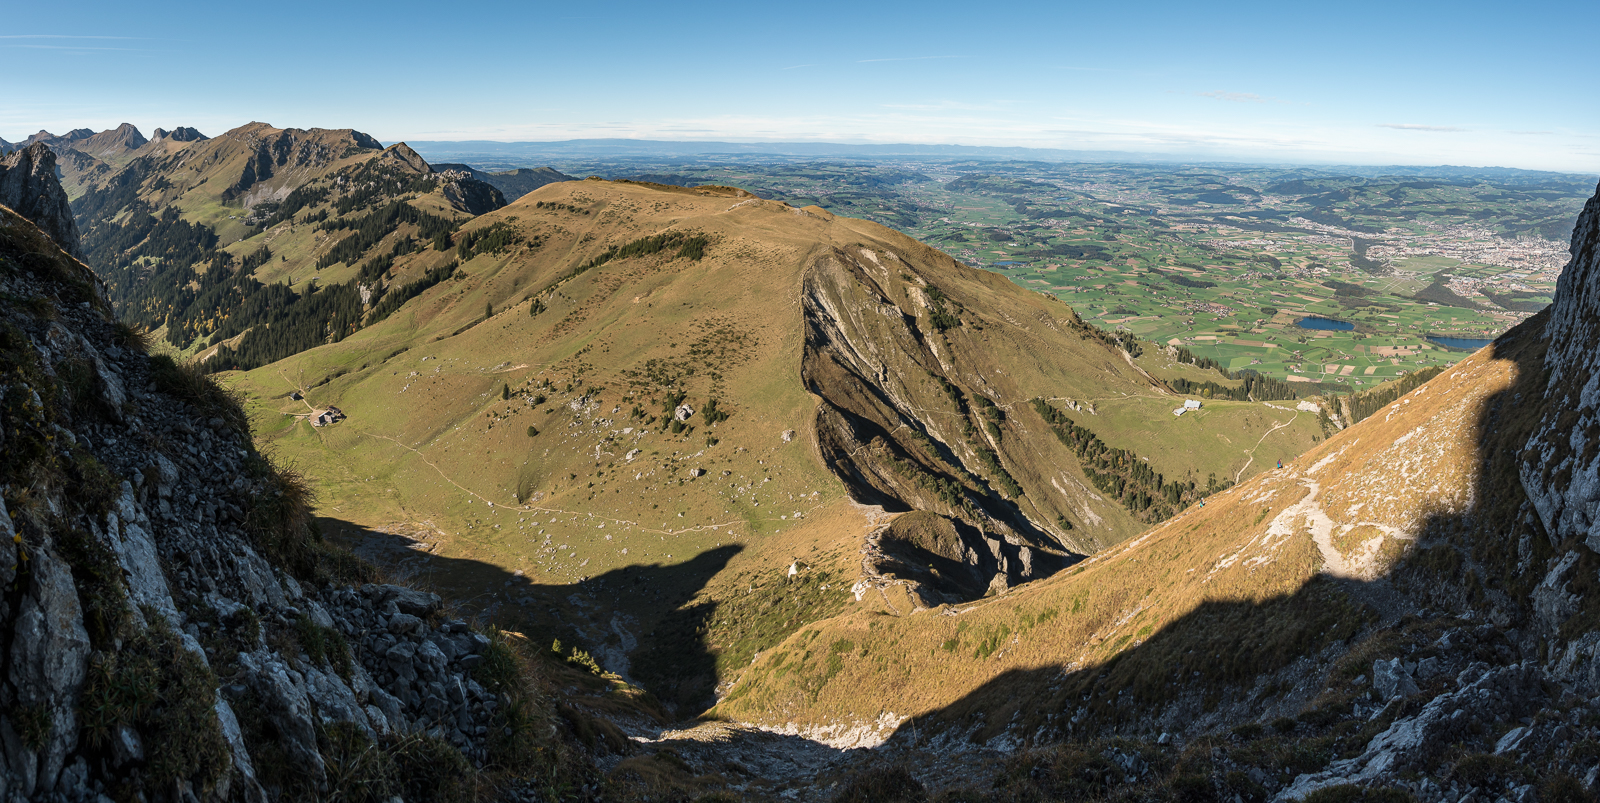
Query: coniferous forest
(161, 270)
(1120, 473)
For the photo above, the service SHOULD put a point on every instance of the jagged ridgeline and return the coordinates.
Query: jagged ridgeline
(178, 628)
(670, 394)
(265, 242)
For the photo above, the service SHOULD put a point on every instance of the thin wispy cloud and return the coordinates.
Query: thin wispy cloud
(79, 48)
(1415, 127)
(15, 41)
(1234, 97)
(909, 58)
(950, 105)
(58, 36)
(1092, 69)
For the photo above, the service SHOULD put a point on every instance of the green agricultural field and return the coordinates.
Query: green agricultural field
(1198, 256)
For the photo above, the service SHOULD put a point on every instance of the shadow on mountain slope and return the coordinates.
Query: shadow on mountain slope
(643, 621)
(1290, 658)
(1229, 662)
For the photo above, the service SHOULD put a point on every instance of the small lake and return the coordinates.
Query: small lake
(1325, 324)
(1463, 343)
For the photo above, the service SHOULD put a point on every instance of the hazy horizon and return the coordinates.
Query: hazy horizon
(1368, 84)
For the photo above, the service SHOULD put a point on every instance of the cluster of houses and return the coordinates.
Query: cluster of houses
(322, 418)
(318, 418)
(1188, 404)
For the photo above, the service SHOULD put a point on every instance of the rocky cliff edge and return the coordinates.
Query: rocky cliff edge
(171, 624)
(28, 185)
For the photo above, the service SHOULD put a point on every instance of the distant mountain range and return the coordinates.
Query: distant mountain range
(107, 145)
(660, 148)
(469, 150)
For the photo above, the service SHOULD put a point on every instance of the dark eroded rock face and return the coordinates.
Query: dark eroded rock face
(277, 151)
(472, 196)
(512, 184)
(1561, 467)
(180, 134)
(29, 186)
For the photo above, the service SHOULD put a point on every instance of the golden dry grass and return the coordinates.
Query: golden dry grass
(432, 440)
(1249, 549)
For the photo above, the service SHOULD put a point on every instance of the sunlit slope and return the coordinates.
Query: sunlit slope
(730, 326)
(853, 365)
(222, 181)
(300, 245)
(213, 181)
(1209, 600)
(204, 240)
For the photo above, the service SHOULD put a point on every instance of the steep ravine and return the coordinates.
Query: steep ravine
(887, 427)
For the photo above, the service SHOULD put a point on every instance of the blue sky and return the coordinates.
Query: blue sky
(1363, 83)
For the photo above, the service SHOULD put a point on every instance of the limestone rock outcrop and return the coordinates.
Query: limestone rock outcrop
(1561, 469)
(180, 134)
(173, 627)
(28, 185)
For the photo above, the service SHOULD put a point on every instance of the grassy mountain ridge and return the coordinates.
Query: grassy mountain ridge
(855, 367)
(206, 240)
(1370, 621)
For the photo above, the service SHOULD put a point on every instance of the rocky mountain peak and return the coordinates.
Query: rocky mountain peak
(29, 185)
(129, 134)
(402, 154)
(179, 134)
(111, 143)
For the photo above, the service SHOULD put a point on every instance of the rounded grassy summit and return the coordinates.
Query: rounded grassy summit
(614, 381)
